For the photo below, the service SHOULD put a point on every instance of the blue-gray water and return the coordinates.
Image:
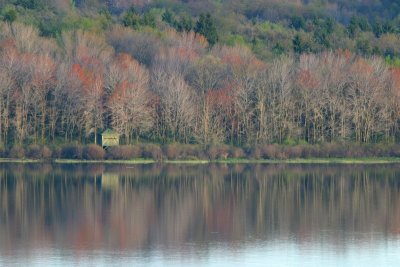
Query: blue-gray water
(199, 215)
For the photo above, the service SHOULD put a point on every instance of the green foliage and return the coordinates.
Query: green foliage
(377, 29)
(363, 47)
(237, 40)
(322, 38)
(381, 28)
(9, 13)
(104, 19)
(300, 45)
(323, 29)
(30, 4)
(393, 61)
(278, 49)
(134, 20)
(251, 23)
(185, 23)
(54, 26)
(205, 26)
(358, 24)
(50, 28)
(290, 142)
(168, 17)
(269, 27)
(297, 22)
(131, 19)
(148, 19)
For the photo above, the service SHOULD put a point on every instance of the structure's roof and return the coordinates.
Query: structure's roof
(109, 132)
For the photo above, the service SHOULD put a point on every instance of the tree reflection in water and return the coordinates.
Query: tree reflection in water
(115, 207)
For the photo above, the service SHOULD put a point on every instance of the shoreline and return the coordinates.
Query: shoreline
(366, 160)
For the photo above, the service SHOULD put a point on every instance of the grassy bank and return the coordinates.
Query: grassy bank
(8, 160)
(247, 161)
(382, 160)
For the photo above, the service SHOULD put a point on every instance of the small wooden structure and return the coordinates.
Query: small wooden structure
(109, 138)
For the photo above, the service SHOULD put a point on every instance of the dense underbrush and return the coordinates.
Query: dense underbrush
(198, 152)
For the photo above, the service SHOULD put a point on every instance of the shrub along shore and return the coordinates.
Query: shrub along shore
(148, 153)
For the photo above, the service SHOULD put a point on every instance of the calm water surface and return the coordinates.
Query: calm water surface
(199, 215)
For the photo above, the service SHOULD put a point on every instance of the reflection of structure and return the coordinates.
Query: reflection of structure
(109, 180)
(109, 138)
(152, 206)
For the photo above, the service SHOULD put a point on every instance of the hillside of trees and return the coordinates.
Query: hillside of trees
(269, 28)
(199, 72)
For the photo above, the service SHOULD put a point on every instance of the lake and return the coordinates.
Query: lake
(199, 215)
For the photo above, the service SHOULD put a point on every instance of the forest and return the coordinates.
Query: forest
(199, 72)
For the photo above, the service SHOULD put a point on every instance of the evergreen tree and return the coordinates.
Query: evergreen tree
(185, 24)
(168, 18)
(149, 19)
(352, 27)
(9, 14)
(388, 27)
(205, 26)
(299, 46)
(377, 29)
(297, 22)
(363, 47)
(131, 19)
(30, 4)
(324, 28)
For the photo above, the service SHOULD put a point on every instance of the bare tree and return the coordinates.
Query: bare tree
(280, 100)
(176, 107)
(67, 105)
(6, 91)
(130, 101)
(366, 92)
(143, 46)
(206, 74)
